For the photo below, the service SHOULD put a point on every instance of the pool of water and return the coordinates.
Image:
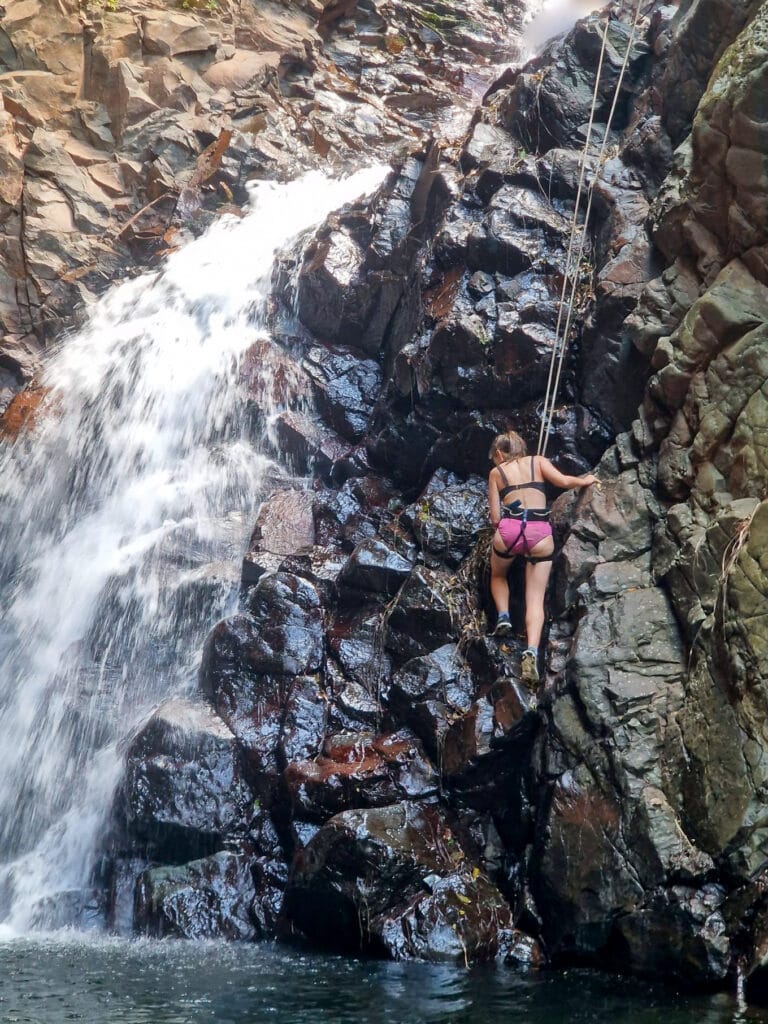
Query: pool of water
(69, 979)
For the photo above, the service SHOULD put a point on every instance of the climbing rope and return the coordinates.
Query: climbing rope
(560, 345)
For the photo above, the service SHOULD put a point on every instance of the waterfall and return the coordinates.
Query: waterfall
(118, 509)
(551, 17)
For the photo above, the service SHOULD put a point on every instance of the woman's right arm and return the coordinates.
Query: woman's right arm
(494, 503)
(558, 479)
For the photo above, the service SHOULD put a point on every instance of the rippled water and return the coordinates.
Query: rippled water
(48, 982)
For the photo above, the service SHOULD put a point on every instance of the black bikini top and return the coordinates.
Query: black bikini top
(508, 488)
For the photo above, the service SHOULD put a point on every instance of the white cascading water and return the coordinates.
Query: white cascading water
(551, 17)
(135, 479)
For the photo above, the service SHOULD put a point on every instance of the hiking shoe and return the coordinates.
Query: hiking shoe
(529, 670)
(503, 625)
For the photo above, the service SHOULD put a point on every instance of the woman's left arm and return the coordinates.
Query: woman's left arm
(494, 504)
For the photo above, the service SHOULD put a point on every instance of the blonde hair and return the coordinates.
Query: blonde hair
(510, 445)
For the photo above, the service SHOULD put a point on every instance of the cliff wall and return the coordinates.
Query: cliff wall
(366, 769)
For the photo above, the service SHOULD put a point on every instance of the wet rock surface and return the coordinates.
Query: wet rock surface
(183, 789)
(398, 881)
(368, 771)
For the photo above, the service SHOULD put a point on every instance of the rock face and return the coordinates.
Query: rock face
(362, 766)
(109, 112)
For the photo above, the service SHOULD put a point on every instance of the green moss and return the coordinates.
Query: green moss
(439, 22)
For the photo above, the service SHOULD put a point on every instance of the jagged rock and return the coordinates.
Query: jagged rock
(253, 667)
(613, 371)
(589, 890)
(702, 35)
(21, 355)
(489, 147)
(345, 388)
(211, 898)
(284, 525)
(355, 285)
(47, 157)
(39, 98)
(511, 703)
(533, 297)
(428, 612)
(361, 770)
(321, 566)
(374, 568)
(176, 34)
(287, 625)
(356, 639)
(396, 880)
(308, 444)
(11, 162)
(550, 102)
(680, 935)
(522, 353)
(353, 705)
(129, 102)
(458, 355)
(501, 246)
(183, 790)
(341, 518)
(430, 693)
(239, 69)
(255, 706)
(468, 738)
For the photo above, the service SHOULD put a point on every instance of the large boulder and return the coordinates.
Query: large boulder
(361, 770)
(183, 792)
(356, 282)
(285, 525)
(254, 670)
(211, 898)
(430, 610)
(430, 693)
(448, 516)
(396, 881)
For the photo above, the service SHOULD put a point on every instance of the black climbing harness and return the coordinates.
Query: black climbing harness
(515, 510)
(524, 516)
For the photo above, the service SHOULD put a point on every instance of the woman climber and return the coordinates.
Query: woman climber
(523, 528)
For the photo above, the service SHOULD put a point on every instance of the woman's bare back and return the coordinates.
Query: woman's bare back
(518, 472)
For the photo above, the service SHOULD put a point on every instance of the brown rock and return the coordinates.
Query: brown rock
(238, 70)
(108, 177)
(129, 102)
(21, 355)
(361, 770)
(11, 161)
(38, 97)
(285, 525)
(176, 34)
(22, 412)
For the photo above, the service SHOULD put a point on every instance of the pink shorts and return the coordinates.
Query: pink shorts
(520, 538)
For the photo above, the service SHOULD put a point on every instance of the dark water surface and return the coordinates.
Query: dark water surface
(47, 982)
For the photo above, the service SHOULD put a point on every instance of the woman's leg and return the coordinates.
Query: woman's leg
(536, 580)
(499, 570)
